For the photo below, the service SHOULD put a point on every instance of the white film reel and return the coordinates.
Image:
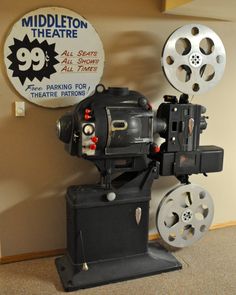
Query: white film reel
(193, 59)
(184, 215)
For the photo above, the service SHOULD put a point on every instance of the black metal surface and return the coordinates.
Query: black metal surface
(115, 129)
(157, 260)
(205, 159)
(177, 118)
(179, 122)
(109, 229)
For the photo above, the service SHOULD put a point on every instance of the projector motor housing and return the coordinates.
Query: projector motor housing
(116, 127)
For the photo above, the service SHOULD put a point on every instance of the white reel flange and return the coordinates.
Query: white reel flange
(184, 215)
(193, 59)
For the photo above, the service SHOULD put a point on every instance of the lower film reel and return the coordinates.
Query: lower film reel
(193, 59)
(184, 215)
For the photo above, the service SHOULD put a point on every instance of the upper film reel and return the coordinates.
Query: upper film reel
(193, 59)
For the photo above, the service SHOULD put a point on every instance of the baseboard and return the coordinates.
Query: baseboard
(31, 255)
(57, 252)
(222, 225)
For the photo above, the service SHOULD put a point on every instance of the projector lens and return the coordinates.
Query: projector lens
(64, 128)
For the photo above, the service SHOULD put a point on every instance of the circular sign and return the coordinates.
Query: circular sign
(54, 57)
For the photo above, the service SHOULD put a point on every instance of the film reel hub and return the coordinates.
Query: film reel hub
(195, 60)
(187, 215)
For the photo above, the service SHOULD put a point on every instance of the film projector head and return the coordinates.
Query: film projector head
(115, 127)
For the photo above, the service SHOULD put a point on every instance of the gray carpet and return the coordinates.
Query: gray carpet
(209, 267)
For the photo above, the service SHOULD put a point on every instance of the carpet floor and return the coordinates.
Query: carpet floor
(209, 267)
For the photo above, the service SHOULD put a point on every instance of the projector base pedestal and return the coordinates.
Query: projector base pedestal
(155, 261)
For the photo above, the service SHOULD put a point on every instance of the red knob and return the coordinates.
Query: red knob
(93, 146)
(156, 149)
(87, 117)
(94, 139)
(87, 111)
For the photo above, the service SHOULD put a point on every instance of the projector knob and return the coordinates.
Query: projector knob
(87, 117)
(111, 196)
(94, 139)
(88, 111)
(93, 147)
(156, 149)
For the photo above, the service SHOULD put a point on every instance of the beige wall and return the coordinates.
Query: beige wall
(34, 168)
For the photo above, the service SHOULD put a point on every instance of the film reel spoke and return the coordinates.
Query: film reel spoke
(193, 59)
(173, 233)
(201, 228)
(184, 215)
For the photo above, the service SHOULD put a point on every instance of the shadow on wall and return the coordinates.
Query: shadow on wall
(133, 60)
(38, 222)
(35, 172)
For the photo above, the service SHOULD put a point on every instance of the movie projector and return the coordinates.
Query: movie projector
(107, 223)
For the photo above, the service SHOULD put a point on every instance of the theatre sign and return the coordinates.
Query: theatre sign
(53, 57)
